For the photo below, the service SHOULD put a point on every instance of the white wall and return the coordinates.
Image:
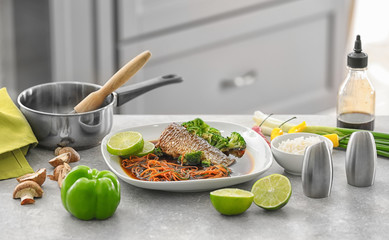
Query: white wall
(371, 22)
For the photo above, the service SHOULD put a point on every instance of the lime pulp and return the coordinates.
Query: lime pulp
(272, 192)
(125, 143)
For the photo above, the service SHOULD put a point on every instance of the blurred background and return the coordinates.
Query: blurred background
(277, 56)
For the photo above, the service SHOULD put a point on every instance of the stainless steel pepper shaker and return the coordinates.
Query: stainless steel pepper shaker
(361, 159)
(317, 171)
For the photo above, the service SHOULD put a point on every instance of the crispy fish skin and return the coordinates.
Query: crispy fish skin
(175, 140)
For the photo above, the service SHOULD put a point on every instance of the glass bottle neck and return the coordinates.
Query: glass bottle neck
(357, 73)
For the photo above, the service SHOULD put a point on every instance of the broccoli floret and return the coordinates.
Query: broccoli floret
(219, 142)
(207, 136)
(206, 163)
(192, 158)
(236, 144)
(213, 136)
(196, 126)
(158, 152)
(214, 131)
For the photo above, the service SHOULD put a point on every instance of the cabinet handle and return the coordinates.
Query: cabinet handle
(246, 79)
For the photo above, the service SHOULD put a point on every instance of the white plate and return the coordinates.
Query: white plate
(257, 159)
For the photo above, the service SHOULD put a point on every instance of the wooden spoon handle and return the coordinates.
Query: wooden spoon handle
(95, 99)
(125, 73)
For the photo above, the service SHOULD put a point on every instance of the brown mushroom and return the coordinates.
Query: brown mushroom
(38, 177)
(56, 151)
(60, 173)
(74, 156)
(60, 159)
(26, 191)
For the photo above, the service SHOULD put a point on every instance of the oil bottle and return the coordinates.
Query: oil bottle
(356, 96)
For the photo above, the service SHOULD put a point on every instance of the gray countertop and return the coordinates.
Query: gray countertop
(349, 212)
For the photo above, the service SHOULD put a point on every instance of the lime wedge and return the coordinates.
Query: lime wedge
(125, 143)
(272, 192)
(231, 201)
(148, 147)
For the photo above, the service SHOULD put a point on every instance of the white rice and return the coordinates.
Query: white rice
(297, 145)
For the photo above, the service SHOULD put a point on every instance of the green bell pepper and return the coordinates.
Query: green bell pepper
(88, 193)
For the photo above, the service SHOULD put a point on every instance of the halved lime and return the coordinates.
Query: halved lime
(125, 143)
(148, 147)
(231, 201)
(272, 192)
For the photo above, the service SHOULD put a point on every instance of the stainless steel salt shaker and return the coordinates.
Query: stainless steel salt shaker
(361, 159)
(317, 171)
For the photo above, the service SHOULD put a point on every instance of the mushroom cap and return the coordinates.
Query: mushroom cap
(74, 155)
(31, 186)
(60, 159)
(38, 177)
(56, 151)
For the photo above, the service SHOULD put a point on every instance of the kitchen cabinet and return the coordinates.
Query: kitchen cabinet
(234, 56)
(242, 75)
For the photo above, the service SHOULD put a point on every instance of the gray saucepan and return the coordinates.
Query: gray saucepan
(48, 109)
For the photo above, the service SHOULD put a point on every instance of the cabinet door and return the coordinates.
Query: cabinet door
(142, 18)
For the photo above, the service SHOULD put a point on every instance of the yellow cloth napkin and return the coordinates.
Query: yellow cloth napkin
(16, 137)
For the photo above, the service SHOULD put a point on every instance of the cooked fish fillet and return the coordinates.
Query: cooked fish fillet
(175, 140)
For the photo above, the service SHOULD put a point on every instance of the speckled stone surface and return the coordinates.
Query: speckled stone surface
(349, 212)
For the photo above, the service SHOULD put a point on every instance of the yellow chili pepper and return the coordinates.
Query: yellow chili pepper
(334, 139)
(275, 133)
(298, 128)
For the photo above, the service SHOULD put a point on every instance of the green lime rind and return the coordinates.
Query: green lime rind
(231, 201)
(148, 147)
(272, 192)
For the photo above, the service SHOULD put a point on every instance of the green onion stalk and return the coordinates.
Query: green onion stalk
(381, 139)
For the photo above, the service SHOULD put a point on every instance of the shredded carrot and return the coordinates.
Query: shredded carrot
(151, 168)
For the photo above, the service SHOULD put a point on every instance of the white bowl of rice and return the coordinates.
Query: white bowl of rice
(288, 149)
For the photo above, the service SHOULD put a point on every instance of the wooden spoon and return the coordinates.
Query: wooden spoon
(95, 99)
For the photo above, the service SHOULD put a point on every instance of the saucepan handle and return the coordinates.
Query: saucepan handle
(127, 93)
